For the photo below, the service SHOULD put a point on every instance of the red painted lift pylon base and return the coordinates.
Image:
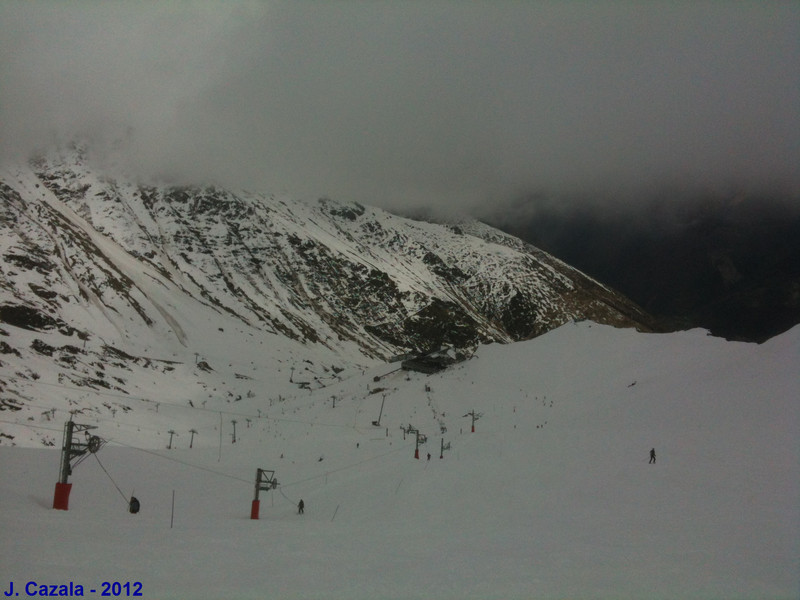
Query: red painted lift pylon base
(254, 509)
(61, 496)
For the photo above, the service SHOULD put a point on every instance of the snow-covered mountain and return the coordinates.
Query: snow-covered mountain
(102, 273)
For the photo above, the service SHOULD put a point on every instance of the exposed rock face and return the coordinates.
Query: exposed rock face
(343, 276)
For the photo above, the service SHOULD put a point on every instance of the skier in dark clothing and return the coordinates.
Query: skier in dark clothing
(652, 455)
(300, 506)
(133, 506)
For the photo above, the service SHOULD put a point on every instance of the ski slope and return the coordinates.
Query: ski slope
(552, 496)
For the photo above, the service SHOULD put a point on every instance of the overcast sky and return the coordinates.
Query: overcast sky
(429, 103)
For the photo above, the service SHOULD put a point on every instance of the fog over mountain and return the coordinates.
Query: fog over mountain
(591, 129)
(443, 105)
(724, 261)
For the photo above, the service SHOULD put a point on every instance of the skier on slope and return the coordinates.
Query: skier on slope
(301, 506)
(652, 456)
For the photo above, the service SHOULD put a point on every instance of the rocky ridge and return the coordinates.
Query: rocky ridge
(100, 269)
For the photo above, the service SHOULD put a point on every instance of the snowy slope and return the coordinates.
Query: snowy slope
(551, 497)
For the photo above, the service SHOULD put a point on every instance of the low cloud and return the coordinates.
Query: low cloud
(443, 105)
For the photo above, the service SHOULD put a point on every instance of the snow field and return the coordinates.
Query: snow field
(551, 497)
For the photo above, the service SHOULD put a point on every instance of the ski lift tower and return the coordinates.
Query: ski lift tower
(421, 438)
(380, 414)
(70, 449)
(265, 480)
(443, 448)
(475, 416)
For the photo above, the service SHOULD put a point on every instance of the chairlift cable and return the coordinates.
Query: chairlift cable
(187, 464)
(345, 467)
(292, 502)
(176, 405)
(29, 426)
(121, 493)
(80, 460)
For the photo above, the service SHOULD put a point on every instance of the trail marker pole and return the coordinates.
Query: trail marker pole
(171, 432)
(191, 441)
(234, 431)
